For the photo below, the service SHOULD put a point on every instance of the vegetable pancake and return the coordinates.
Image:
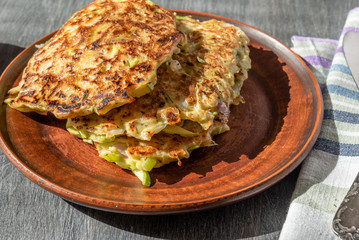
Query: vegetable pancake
(142, 156)
(198, 83)
(104, 56)
(188, 105)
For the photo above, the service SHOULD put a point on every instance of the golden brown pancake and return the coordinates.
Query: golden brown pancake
(200, 81)
(189, 104)
(142, 156)
(104, 56)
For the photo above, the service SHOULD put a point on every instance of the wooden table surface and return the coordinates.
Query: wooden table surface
(29, 212)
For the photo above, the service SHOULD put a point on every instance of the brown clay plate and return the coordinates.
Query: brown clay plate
(270, 136)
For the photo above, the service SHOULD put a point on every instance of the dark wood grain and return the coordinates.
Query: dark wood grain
(29, 212)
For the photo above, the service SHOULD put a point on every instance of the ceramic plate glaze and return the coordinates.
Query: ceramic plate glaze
(270, 135)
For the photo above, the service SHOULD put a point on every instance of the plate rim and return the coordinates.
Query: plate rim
(180, 207)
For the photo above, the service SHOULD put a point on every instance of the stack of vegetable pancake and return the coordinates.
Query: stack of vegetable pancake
(144, 86)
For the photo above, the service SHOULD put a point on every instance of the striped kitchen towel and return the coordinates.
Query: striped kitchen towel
(332, 165)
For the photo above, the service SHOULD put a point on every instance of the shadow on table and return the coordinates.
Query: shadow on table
(7, 53)
(261, 215)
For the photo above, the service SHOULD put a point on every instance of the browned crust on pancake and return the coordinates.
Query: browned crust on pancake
(102, 58)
